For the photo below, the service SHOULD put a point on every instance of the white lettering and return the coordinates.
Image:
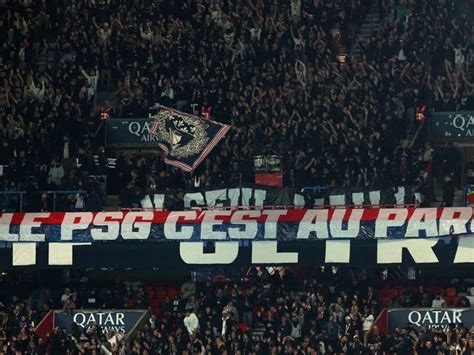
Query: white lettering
(448, 224)
(183, 232)
(244, 228)
(215, 195)
(5, 222)
(193, 197)
(422, 219)
(427, 318)
(137, 225)
(210, 221)
(314, 221)
(120, 317)
(100, 317)
(414, 320)
(387, 218)
(80, 322)
(459, 121)
(74, 221)
(390, 251)
(193, 253)
(109, 320)
(91, 319)
(444, 318)
(234, 195)
(134, 128)
(259, 196)
(109, 223)
(26, 227)
(271, 222)
(265, 252)
(465, 251)
(353, 224)
(457, 317)
(158, 201)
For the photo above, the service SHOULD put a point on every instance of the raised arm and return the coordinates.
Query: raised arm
(95, 23)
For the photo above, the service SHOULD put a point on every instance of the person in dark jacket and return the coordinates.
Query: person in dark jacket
(448, 191)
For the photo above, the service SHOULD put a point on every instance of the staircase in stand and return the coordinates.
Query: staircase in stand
(369, 27)
(258, 330)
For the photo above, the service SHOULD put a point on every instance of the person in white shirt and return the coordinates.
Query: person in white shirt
(56, 172)
(438, 302)
(146, 32)
(66, 295)
(368, 322)
(103, 33)
(191, 322)
(92, 81)
(36, 92)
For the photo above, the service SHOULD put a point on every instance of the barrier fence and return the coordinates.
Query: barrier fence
(51, 201)
(11, 201)
(232, 198)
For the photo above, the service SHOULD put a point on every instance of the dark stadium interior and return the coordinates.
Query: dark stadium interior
(329, 206)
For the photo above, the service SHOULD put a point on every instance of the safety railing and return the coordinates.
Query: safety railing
(53, 200)
(269, 207)
(11, 201)
(315, 188)
(64, 199)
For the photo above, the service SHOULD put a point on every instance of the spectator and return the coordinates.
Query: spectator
(191, 322)
(438, 302)
(290, 320)
(449, 189)
(273, 71)
(56, 173)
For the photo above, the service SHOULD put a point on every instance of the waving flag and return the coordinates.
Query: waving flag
(185, 139)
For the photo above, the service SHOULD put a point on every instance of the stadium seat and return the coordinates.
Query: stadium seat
(448, 300)
(131, 303)
(400, 290)
(392, 292)
(154, 303)
(160, 294)
(455, 301)
(386, 301)
(172, 292)
(451, 291)
(244, 327)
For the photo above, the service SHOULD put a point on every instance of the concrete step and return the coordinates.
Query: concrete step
(370, 25)
(371, 21)
(258, 330)
(372, 15)
(364, 28)
(368, 29)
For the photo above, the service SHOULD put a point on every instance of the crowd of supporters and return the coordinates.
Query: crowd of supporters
(281, 72)
(262, 313)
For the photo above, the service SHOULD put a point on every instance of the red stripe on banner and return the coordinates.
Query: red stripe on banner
(293, 215)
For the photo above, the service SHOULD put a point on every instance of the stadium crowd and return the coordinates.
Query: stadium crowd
(280, 72)
(263, 313)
